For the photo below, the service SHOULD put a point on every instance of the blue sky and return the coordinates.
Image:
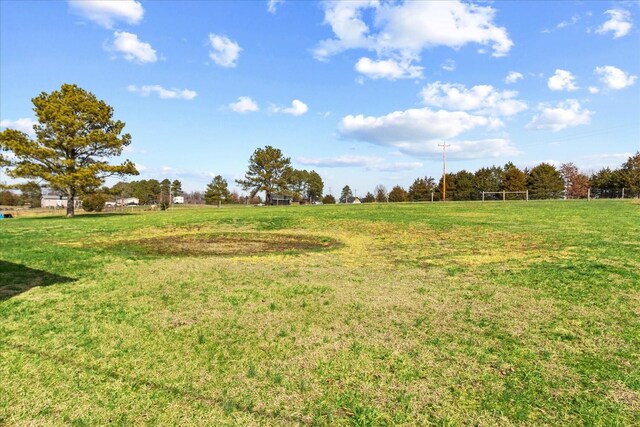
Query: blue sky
(361, 92)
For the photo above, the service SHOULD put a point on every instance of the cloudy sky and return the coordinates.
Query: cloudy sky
(361, 92)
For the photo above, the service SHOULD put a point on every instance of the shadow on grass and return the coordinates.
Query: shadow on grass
(16, 279)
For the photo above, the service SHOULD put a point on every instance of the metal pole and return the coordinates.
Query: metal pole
(444, 171)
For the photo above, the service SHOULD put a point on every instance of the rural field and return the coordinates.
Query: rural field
(382, 314)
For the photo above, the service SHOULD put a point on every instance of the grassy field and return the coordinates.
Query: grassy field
(402, 314)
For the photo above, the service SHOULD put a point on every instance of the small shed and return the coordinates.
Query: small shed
(280, 200)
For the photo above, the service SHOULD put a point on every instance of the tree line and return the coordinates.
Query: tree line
(76, 134)
(543, 181)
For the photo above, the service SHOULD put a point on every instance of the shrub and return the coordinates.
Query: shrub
(94, 202)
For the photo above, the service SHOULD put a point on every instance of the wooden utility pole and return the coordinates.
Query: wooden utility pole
(444, 170)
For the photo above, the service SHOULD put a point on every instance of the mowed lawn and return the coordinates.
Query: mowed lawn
(402, 314)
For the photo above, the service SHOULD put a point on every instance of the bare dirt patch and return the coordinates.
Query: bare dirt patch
(225, 244)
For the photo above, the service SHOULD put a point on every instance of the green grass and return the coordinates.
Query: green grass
(403, 314)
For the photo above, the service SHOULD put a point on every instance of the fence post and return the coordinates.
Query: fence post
(483, 196)
(504, 196)
(623, 192)
(527, 193)
(589, 194)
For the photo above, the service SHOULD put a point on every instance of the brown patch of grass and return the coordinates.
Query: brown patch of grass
(225, 244)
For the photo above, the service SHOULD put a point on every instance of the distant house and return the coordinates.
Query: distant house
(128, 201)
(353, 200)
(280, 199)
(55, 200)
(178, 200)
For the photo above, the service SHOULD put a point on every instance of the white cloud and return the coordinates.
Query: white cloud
(132, 48)
(367, 162)
(388, 69)
(297, 108)
(162, 92)
(562, 80)
(565, 114)
(619, 23)
(615, 78)
(272, 5)
(245, 104)
(341, 161)
(461, 150)
(225, 51)
(449, 65)
(413, 125)
(107, 13)
(593, 90)
(23, 125)
(408, 28)
(482, 99)
(513, 77)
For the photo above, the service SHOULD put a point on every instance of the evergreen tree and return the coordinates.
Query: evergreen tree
(544, 182)
(346, 194)
(421, 189)
(268, 171)
(74, 135)
(398, 194)
(630, 172)
(465, 186)
(369, 198)
(176, 188)
(217, 191)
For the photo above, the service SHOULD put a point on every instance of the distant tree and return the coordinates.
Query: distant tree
(165, 194)
(381, 193)
(194, 198)
(8, 198)
(465, 186)
(268, 171)
(630, 172)
(421, 189)
(514, 180)
(576, 184)
(95, 202)
(30, 194)
(369, 198)
(217, 191)
(75, 135)
(176, 188)
(329, 200)
(315, 186)
(451, 187)
(489, 179)
(606, 178)
(346, 194)
(544, 182)
(398, 194)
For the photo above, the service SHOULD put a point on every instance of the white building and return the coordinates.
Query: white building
(128, 201)
(178, 200)
(57, 201)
